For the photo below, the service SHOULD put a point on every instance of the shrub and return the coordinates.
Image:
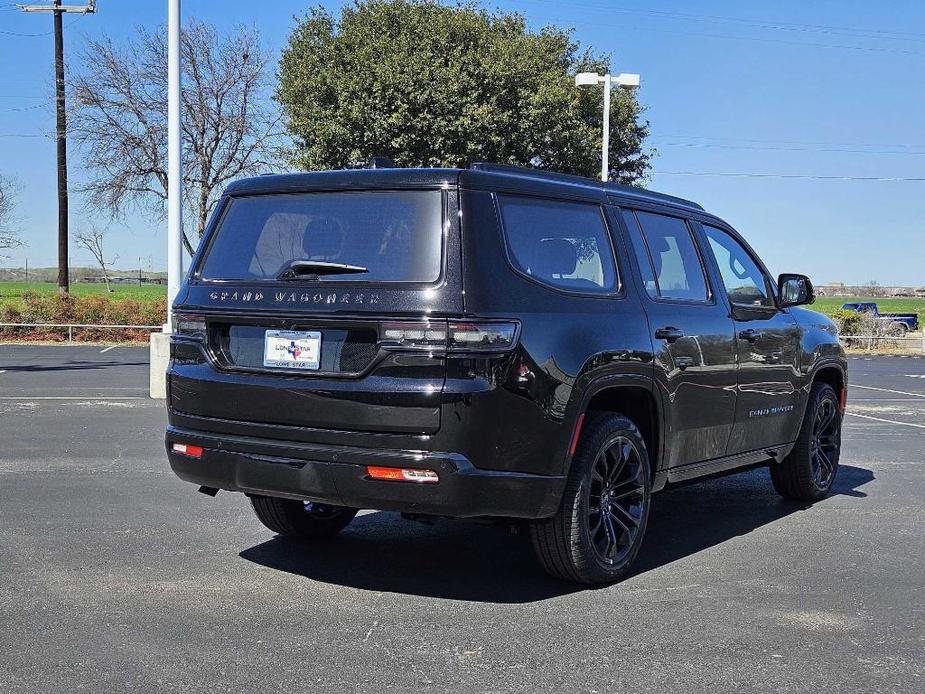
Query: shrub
(90, 310)
(848, 322)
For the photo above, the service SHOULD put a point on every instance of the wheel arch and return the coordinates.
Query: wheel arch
(832, 374)
(633, 397)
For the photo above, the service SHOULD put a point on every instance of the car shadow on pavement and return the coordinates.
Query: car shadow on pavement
(463, 560)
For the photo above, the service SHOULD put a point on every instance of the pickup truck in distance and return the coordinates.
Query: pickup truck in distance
(900, 323)
(497, 343)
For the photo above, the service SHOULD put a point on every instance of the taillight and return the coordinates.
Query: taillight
(480, 336)
(468, 336)
(190, 326)
(416, 335)
(187, 449)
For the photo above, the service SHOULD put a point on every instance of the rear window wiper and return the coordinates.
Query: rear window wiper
(306, 268)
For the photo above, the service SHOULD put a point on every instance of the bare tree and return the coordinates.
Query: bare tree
(9, 236)
(120, 119)
(92, 240)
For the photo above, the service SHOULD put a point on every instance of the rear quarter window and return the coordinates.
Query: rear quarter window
(561, 244)
(396, 236)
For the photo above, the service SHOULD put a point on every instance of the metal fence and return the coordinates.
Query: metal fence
(871, 342)
(88, 326)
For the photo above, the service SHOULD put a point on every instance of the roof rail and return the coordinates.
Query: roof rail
(619, 188)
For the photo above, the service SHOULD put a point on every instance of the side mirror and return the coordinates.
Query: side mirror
(794, 290)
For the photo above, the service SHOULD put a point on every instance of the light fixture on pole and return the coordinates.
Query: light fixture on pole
(626, 80)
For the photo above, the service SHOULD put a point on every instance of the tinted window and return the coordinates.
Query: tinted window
(396, 236)
(674, 263)
(642, 254)
(562, 244)
(745, 283)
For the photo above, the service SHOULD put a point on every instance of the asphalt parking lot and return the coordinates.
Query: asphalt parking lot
(115, 575)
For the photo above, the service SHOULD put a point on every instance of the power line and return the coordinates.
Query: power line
(712, 145)
(32, 36)
(763, 24)
(786, 142)
(759, 39)
(799, 176)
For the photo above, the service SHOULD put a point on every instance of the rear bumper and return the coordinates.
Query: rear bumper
(337, 475)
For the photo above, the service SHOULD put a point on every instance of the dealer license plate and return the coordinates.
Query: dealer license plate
(292, 349)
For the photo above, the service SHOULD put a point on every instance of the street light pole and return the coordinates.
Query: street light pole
(624, 80)
(605, 146)
(174, 162)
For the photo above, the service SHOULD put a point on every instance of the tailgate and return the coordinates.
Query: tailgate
(360, 383)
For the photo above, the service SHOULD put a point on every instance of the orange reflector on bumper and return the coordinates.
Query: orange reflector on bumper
(400, 474)
(187, 449)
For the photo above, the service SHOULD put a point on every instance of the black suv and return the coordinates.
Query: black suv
(493, 342)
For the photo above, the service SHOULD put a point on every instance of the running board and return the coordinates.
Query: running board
(727, 463)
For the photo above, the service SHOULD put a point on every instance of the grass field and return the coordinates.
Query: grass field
(11, 292)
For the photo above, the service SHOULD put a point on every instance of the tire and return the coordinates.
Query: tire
(582, 546)
(808, 472)
(301, 518)
(899, 329)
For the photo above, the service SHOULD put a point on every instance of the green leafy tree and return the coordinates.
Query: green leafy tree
(432, 85)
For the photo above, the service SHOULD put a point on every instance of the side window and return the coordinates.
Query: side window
(745, 283)
(562, 244)
(671, 266)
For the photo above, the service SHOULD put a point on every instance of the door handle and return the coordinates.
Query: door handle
(669, 334)
(750, 335)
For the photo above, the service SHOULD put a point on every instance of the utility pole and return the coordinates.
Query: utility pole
(58, 9)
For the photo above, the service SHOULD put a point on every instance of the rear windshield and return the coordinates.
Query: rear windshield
(384, 236)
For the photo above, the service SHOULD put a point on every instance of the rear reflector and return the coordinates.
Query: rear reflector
(573, 445)
(401, 474)
(187, 449)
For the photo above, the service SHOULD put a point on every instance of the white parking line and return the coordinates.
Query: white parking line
(886, 421)
(71, 397)
(888, 390)
(103, 351)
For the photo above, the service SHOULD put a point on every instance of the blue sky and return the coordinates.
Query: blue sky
(831, 88)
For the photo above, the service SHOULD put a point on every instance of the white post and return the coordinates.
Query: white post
(160, 342)
(174, 162)
(605, 153)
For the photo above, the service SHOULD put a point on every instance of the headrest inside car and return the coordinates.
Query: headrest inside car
(554, 257)
(323, 240)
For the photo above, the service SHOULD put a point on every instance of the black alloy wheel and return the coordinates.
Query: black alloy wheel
(616, 500)
(596, 534)
(825, 442)
(808, 472)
